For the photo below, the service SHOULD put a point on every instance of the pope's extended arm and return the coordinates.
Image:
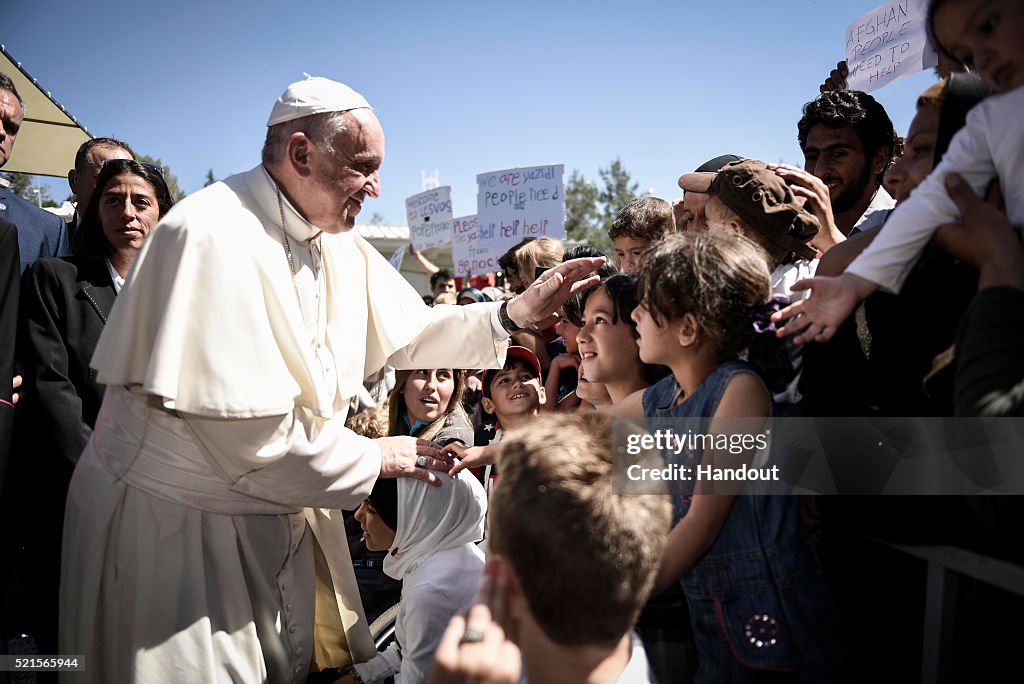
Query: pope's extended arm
(457, 337)
(293, 459)
(301, 460)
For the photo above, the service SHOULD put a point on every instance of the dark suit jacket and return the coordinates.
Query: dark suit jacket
(9, 270)
(40, 233)
(65, 304)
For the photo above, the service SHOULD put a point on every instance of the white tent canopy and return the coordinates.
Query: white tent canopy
(49, 136)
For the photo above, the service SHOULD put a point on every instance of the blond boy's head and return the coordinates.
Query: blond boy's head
(372, 422)
(555, 501)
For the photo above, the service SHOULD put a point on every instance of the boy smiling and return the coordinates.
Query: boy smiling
(514, 394)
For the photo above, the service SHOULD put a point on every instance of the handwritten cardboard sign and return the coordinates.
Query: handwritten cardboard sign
(888, 43)
(469, 256)
(430, 218)
(513, 204)
(396, 258)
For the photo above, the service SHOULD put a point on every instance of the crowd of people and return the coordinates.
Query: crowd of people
(208, 411)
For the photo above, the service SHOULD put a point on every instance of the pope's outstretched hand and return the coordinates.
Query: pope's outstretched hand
(412, 457)
(548, 292)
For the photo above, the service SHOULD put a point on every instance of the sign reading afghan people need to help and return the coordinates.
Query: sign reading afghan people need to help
(430, 218)
(519, 203)
(888, 43)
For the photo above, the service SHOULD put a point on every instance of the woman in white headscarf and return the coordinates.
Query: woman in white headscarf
(431, 534)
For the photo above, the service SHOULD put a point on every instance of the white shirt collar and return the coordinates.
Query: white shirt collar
(114, 276)
(299, 229)
(882, 201)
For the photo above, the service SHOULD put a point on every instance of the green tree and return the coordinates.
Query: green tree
(24, 185)
(210, 178)
(169, 178)
(20, 184)
(618, 190)
(582, 217)
(376, 219)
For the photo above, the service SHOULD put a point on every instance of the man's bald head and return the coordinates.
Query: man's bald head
(89, 162)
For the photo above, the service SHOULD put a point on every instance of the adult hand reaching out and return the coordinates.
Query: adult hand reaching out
(548, 292)
(817, 317)
(412, 457)
(983, 238)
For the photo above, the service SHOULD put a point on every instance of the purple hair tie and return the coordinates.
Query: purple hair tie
(763, 313)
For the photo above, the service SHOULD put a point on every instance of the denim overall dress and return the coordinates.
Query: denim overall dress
(758, 605)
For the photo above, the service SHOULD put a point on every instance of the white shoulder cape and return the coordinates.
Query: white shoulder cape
(209, 321)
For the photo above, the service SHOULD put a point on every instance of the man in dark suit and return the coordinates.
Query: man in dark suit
(40, 233)
(9, 270)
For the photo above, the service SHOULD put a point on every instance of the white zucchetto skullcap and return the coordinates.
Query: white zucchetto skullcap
(315, 95)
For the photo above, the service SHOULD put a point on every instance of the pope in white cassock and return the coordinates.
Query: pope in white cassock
(199, 540)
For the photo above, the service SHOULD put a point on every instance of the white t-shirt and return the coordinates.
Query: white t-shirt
(989, 146)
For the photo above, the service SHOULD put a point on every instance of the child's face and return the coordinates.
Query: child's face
(985, 36)
(607, 348)
(658, 343)
(376, 533)
(515, 391)
(629, 252)
(568, 331)
(427, 393)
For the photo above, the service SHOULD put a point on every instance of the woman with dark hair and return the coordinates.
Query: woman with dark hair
(101, 234)
(65, 303)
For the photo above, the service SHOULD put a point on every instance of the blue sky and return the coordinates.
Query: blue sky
(460, 87)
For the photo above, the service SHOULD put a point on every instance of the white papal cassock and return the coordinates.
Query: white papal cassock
(195, 516)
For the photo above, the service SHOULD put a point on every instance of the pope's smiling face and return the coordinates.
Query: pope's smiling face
(341, 178)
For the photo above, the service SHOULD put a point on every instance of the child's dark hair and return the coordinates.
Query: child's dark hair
(621, 289)
(643, 217)
(929, 23)
(722, 279)
(573, 306)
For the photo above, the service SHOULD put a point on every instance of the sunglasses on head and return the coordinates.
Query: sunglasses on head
(148, 165)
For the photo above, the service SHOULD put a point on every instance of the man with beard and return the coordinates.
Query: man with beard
(848, 142)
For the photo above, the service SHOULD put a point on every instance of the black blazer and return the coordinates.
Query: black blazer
(9, 271)
(65, 304)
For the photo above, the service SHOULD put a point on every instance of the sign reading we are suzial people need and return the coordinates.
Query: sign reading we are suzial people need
(513, 204)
